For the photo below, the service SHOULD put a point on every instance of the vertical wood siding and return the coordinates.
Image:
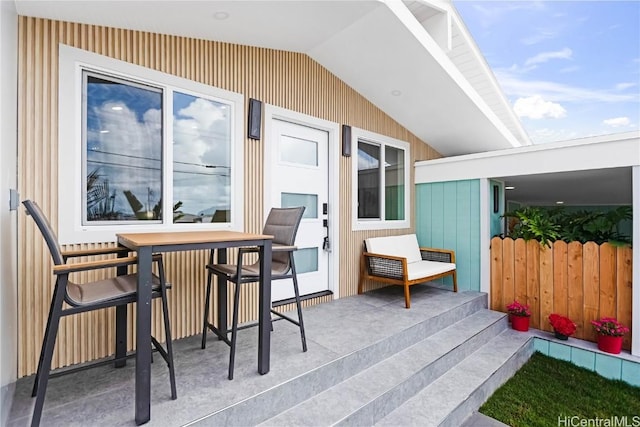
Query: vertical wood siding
(285, 79)
(582, 282)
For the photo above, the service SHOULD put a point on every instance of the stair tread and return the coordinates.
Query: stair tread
(348, 396)
(432, 405)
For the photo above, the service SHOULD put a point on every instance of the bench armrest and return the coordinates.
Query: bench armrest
(440, 255)
(382, 265)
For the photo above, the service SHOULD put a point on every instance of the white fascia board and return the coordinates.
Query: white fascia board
(404, 15)
(593, 153)
(482, 62)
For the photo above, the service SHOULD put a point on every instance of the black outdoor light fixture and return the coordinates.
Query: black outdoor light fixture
(346, 140)
(496, 199)
(255, 119)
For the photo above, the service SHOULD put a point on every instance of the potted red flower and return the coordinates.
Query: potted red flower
(563, 327)
(519, 314)
(610, 334)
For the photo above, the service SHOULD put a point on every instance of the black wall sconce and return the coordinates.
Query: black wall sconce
(255, 119)
(346, 140)
(496, 199)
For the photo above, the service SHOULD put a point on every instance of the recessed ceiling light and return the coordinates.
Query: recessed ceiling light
(104, 131)
(509, 187)
(559, 202)
(116, 108)
(396, 92)
(220, 16)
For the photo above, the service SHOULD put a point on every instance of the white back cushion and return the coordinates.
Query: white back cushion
(405, 246)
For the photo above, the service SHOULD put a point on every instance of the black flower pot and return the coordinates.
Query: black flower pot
(561, 336)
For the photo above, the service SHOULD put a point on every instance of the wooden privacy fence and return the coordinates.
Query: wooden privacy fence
(581, 281)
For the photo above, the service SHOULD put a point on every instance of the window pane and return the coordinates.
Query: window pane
(306, 260)
(123, 150)
(368, 180)
(394, 183)
(201, 160)
(296, 150)
(309, 201)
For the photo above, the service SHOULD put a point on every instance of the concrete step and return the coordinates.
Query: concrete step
(452, 398)
(370, 395)
(276, 400)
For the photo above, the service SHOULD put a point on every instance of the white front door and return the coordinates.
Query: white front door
(300, 177)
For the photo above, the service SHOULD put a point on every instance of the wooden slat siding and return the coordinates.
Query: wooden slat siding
(574, 285)
(580, 282)
(533, 281)
(546, 287)
(286, 79)
(496, 275)
(624, 290)
(591, 287)
(508, 270)
(520, 267)
(560, 277)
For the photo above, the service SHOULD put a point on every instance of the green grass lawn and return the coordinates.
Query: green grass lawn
(546, 391)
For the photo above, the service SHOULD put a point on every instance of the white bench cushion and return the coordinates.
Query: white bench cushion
(405, 246)
(417, 270)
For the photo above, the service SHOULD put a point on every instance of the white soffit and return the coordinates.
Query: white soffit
(594, 170)
(376, 47)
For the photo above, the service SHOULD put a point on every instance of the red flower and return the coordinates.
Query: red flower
(562, 325)
(517, 309)
(609, 326)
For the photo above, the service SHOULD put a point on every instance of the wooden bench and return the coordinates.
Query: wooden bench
(398, 260)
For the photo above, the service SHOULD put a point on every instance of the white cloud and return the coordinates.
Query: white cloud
(543, 57)
(556, 92)
(617, 122)
(625, 85)
(535, 107)
(539, 36)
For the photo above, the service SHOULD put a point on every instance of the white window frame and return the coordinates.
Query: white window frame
(383, 141)
(72, 62)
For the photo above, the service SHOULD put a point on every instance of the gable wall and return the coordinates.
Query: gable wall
(285, 79)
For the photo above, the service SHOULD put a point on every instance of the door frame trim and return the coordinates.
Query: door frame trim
(272, 112)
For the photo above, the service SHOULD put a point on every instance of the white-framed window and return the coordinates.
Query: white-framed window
(140, 150)
(380, 192)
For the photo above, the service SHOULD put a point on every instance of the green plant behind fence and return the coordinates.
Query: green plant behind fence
(549, 225)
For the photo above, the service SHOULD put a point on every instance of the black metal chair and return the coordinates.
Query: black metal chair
(114, 292)
(282, 224)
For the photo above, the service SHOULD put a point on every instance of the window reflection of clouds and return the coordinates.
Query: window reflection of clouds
(201, 154)
(296, 150)
(128, 155)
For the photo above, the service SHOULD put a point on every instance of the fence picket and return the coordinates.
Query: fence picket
(546, 287)
(496, 279)
(591, 287)
(574, 286)
(533, 281)
(624, 291)
(560, 295)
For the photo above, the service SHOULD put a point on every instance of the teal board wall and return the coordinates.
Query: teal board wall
(448, 217)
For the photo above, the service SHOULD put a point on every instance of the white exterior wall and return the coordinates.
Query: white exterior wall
(8, 219)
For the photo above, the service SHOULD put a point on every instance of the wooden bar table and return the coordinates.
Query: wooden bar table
(146, 244)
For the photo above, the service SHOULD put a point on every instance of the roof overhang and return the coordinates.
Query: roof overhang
(376, 47)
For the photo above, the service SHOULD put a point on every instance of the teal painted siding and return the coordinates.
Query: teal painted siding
(560, 351)
(448, 217)
(611, 367)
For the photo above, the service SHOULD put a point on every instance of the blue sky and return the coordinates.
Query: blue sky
(570, 69)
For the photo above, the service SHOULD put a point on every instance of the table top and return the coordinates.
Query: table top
(187, 237)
